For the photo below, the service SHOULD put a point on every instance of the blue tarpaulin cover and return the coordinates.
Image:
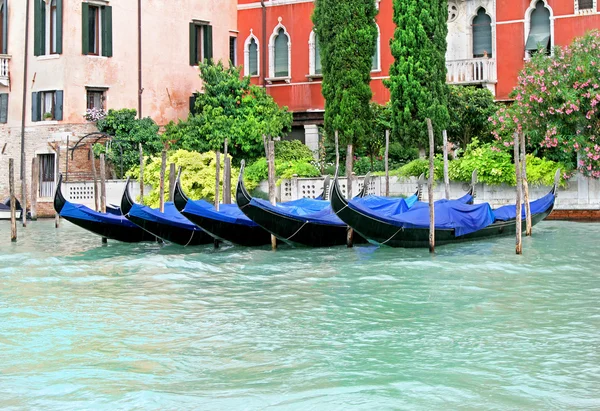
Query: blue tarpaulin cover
(508, 212)
(228, 213)
(82, 212)
(305, 210)
(170, 217)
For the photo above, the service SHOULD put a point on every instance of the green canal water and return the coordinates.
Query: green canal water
(143, 326)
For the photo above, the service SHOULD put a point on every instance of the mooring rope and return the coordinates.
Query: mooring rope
(393, 235)
(190, 240)
(298, 230)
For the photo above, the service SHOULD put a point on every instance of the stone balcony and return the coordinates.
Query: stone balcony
(476, 71)
(4, 69)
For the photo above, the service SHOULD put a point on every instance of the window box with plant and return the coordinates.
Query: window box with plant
(48, 116)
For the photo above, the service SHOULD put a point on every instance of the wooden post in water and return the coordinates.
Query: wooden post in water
(337, 150)
(349, 161)
(95, 177)
(24, 198)
(523, 156)
(35, 178)
(430, 188)
(141, 174)
(387, 169)
(57, 216)
(446, 177)
(102, 184)
(226, 175)
(161, 187)
(171, 180)
(217, 179)
(272, 195)
(519, 225)
(13, 200)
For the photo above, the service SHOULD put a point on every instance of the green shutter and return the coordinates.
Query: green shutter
(193, 46)
(208, 43)
(59, 26)
(281, 55)
(253, 58)
(539, 33)
(107, 44)
(3, 107)
(193, 104)
(4, 44)
(39, 31)
(482, 34)
(35, 106)
(85, 30)
(58, 105)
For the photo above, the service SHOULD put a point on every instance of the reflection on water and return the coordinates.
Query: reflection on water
(86, 325)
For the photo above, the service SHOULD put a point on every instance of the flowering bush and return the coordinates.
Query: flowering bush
(557, 105)
(94, 114)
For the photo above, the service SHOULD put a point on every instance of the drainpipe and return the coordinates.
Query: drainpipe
(264, 44)
(24, 111)
(140, 89)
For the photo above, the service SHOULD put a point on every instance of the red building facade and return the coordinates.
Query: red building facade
(488, 42)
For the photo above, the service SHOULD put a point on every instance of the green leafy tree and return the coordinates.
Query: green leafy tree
(418, 75)
(347, 37)
(230, 107)
(471, 109)
(128, 132)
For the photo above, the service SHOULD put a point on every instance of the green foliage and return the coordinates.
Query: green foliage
(284, 169)
(363, 165)
(347, 37)
(494, 166)
(471, 109)
(292, 150)
(257, 171)
(230, 107)
(197, 177)
(128, 132)
(401, 154)
(417, 81)
(419, 166)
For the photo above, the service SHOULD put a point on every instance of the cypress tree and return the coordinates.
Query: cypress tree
(418, 75)
(347, 37)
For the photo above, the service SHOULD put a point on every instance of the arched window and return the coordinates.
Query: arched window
(251, 56)
(482, 34)
(540, 32)
(376, 65)
(314, 60)
(281, 54)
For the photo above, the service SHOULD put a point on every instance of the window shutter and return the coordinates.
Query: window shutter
(59, 26)
(58, 105)
(208, 43)
(35, 106)
(3, 107)
(4, 44)
(85, 30)
(107, 44)
(39, 24)
(253, 58)
(539, 34)
(281, 55)
(482, 34)
(193, 45)
(193, 103)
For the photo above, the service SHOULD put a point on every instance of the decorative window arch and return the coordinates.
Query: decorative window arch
(539, 27)
(251, 55)
(482, 34)
(280, 52)
(314, 56)
(376, 65)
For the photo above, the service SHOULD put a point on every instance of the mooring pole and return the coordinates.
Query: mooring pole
(349, 161)
(141, 174)
(102, 184)
(523, 156)
(272, 195)
(171, 180)
(163, 169)
(226, 175)
(446, 177)
(518, 220)
(95, 177)
(13, 200)
(337, 150)
(35, 178)
(387, 169)
(217, 184)
(430, 188)
(57, 216)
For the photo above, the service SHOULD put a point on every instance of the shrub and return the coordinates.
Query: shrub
(293, 150)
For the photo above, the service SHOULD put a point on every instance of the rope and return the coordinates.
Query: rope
(298, 230)
(393, 235)
(190, 240)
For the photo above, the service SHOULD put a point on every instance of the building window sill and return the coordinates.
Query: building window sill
(45, 123)
(312, 77)
(272, 80)
(49, 57)
(376, 71)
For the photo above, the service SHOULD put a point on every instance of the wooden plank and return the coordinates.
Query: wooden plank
(430, 187)
(13, 200)
(35, 180)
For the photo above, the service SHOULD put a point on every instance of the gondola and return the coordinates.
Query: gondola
(229, 223)
(455, 221)
(308, 223)
(107, 225)
(170, 226)
(5, 210)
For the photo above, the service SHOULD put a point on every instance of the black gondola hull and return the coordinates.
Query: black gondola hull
(113, 231)
(172, 234)
(238, 234)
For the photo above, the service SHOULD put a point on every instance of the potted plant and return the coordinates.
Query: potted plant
(48, 116)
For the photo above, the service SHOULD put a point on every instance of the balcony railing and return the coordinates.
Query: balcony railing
(4, 62)
(471, 71)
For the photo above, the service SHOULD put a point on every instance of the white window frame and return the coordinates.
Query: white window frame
(247, 55)
(48, 97)
(378, 48)
(278, 27)
(528, 13)
(586, 11)
(312, 60)
(493, 26)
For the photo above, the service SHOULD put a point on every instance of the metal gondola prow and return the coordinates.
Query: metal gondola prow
(242, 196)
(556, 183)
(59, 199)
(126, 201)
(180, 199)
